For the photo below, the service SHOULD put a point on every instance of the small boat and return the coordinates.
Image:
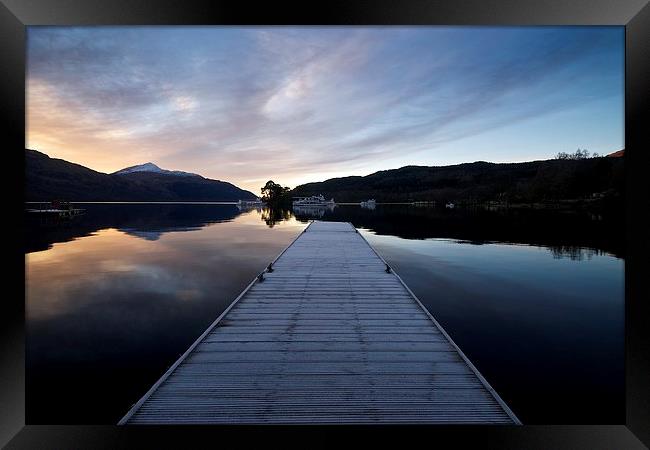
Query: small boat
(450, 205)
(249, 205)
(369, 204)
(314, 200)
(256, 202)
(57, 208)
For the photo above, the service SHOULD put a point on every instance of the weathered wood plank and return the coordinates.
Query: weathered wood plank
(328, 337)
(298, 331)
(320, 356)
(319, 346)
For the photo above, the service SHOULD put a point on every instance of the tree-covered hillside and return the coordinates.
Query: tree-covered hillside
(480, 181)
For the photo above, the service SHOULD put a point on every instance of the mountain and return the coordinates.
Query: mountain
(534, 181)
(151, 167)
(50, 178)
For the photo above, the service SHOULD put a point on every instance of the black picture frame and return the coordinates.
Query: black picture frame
(15, 15)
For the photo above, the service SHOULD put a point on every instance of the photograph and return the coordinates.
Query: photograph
(325, 225)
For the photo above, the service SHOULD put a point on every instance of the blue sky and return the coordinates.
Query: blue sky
(299, 104)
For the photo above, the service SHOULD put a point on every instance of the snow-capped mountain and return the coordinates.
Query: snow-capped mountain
(151, 167)
(51, 178)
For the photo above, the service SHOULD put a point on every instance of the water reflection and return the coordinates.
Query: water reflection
(271, 216)
(530, 227)
(148, 221)
(572, 235)
(114, 297)
(312, 211)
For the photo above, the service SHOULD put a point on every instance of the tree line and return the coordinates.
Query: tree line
(579, 154)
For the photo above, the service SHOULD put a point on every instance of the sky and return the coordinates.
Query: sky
(301, 104)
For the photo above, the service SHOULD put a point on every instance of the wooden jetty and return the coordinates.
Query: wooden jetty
(328, 333)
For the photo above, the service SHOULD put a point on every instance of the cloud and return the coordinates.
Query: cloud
(185, 103)
(281, 103)
(245, 104)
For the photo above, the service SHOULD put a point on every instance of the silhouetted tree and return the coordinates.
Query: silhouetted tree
(274, 194)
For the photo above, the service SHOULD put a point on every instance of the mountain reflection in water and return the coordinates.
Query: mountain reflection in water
(566, 234)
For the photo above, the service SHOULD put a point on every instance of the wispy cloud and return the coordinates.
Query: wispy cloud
(293, 104)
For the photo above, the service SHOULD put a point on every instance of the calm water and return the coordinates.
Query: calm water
(535, 299)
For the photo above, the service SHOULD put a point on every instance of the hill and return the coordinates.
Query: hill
(50, 178)
(534, 181)
(617, 154)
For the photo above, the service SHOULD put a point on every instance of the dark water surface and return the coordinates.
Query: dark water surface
(534, 298)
